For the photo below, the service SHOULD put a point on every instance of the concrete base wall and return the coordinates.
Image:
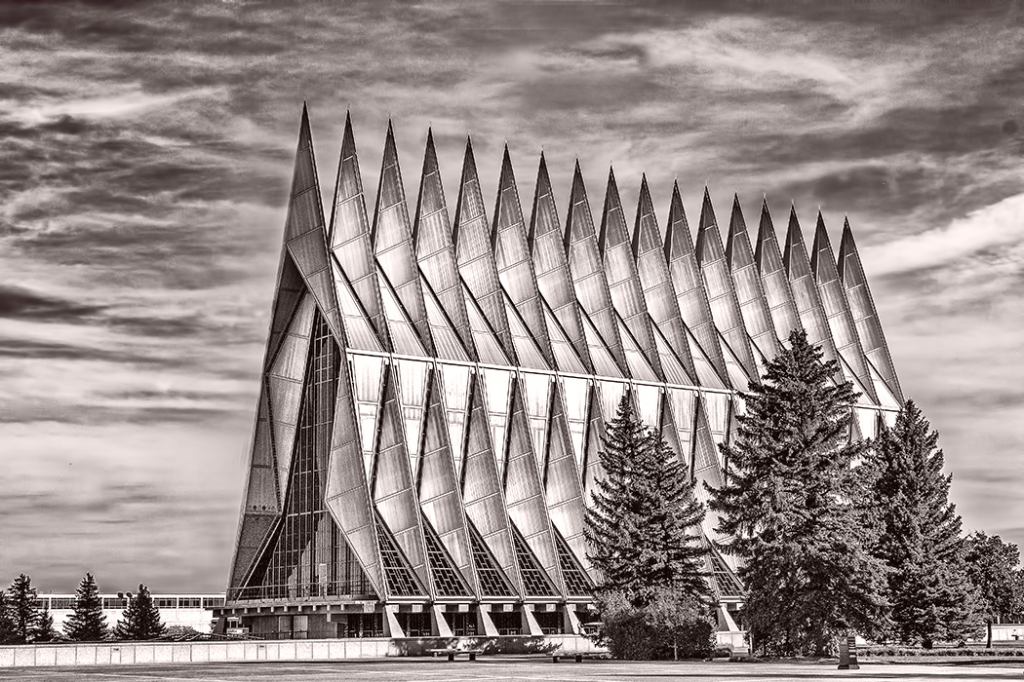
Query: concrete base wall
(129, 653)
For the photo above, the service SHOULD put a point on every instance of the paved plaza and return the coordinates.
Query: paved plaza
(513, 669)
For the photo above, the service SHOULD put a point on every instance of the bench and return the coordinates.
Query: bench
(452, 653)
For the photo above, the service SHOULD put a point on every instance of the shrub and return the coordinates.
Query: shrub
(670, 625)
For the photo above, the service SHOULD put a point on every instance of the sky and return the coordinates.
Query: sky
(146, 154)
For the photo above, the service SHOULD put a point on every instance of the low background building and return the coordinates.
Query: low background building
(184, 610)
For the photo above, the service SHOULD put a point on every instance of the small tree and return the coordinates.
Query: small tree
(992, 567)
(141, 619)
(7, 627)
(792, 509)
(87, 623)
(24, 609)
(920, 535)
(45, 632)
(642, 527)
(672, 624)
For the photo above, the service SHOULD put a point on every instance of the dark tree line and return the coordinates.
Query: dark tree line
(22, 621)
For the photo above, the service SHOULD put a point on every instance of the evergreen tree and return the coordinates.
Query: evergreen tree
(642, 525)
(792, 509)
(7, 629)
(920, 535)
(44, 631)
(24, 609)
(141, 620)
(87, 623)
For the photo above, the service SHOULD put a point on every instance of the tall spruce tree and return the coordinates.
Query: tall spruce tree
(642, 526)
(920, 536)
(141, 620)
(791, 509)
(87, 623)
(21, 597)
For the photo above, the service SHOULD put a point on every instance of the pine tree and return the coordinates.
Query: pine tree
(920, 535)
(141, 620)
(24, 609)
(642, 525)
(791, 509)
(87, 623)
(7, 629)
(44, 631)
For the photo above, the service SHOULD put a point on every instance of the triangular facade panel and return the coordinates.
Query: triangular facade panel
(554, 280)
(768, 257)
(805, 292)
(514, 261)
(656, 282)
(862, 306)
(349, 234)
(474, 248)
(837, 308)
(562, 481)
(623, 279)
(689, 285)
(725, 306)
(393, 244)
(587, 268)
(757, 317)
(435, 250)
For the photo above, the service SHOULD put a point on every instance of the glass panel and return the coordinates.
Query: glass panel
(310, 560)
(576, 581)
(536, 582)
(412, 382)
(493, 582)
(577, 395)
(447, 579)
(683, 404)
(399, 576)
(367, 372)
(497, 383)
(537, 388)
(455, 379)
(648, 402)
(610, 393)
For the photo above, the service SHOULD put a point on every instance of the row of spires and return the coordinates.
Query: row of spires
(538, 260)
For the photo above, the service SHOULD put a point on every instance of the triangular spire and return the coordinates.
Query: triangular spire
(777, 291)
(513, 260)
(435, 250)
(623, 279)
(869, 326)
(305, 236)
(554, 280)
(474, 250)
(805, 293)
(837, 307)
(588, 271)
(656, 281)
(725, 307)
(391, 236)
(349, 235)
(689, 286)
(749, 289)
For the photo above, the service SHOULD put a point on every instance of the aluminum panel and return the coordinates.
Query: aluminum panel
(862, 308)
(528, 353)
(575, 393)
(750, 292)
(777, 291)
(554, 280)
(721, 292)
(587, 268)
(391, 236)
(837, 308)
(474, 249)
(412, 384)
(567, 355)
(515, 264)
(447, 344)
(604, 363)
(368, 377)
(562, 481)
(359, 332)
(488, 348)
(648, 404)
(623, 280)
(805, 293)
(689, 286)
(405, 340)
(435, 250)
